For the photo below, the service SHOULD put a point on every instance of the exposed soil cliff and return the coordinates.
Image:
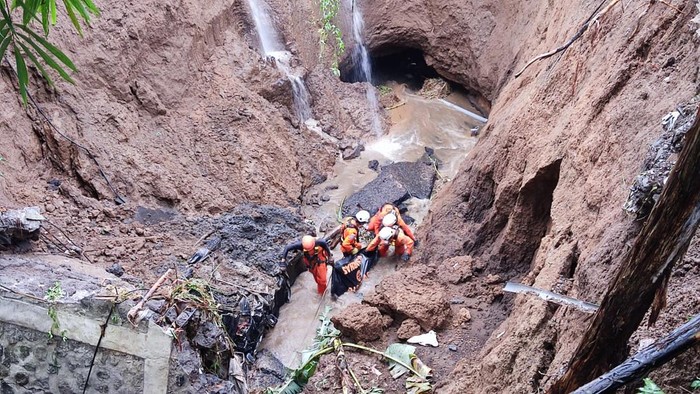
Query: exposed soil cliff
(539, 199)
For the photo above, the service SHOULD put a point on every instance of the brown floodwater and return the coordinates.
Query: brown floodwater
(443, 125)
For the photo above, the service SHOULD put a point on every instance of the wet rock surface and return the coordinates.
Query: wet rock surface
(396, 183)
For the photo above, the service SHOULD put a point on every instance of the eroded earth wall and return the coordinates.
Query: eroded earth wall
(539, 198)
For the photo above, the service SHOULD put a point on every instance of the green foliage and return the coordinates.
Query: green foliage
(695, 384)
(650, 387)
(401, 360)
(17, 34)
(329, 11)
(53, 294)
(384, 90)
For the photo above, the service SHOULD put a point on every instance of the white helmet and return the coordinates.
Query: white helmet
(389, 220)
(362, 216)
(386, 233)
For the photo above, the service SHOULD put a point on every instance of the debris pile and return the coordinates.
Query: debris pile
(435, 88)
(647, 186)
(229, 294)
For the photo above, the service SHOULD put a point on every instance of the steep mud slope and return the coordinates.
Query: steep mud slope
(179, 109)
(183, 116)
(539, 199)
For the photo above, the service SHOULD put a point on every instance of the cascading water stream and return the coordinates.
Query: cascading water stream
(360, 57)
(272, 47)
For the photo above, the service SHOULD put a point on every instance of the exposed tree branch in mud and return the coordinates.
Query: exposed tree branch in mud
(647, 359)
(346, 381)
(396, 106)
(133, 312)
(591, 19)
(663, 240)
(117, 198)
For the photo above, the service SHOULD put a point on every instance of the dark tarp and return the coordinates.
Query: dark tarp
(349, 271)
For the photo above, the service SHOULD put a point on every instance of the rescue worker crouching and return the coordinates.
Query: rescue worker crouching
(392, 236)
(375, 224)
(365, 236)
(350, 243)
(316, 254)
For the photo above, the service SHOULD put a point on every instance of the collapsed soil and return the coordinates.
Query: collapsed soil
(187, 120)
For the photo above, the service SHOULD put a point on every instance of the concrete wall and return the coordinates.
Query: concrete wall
(129, 359)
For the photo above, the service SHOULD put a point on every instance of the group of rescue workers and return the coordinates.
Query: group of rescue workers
(385, 233)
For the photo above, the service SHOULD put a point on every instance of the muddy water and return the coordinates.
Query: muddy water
(417, 124)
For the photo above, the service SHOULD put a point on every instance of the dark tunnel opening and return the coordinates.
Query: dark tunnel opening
(406, 66)
(400, 64)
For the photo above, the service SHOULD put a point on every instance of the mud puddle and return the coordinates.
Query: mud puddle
(417, 124)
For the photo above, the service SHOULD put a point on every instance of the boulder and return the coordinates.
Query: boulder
(396, 183)
(413, 294)
(360, 322)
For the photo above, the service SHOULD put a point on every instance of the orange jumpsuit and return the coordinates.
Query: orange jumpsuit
(315, 261)
(403, 244)
(350, 241)
(375, 223)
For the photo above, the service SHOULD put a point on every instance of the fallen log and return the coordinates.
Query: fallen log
(17, 225)
(647, 359)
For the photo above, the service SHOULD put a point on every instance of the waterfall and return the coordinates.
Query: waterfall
(272, 48)
(360, 58)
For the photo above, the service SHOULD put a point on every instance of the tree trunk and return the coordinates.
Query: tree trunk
(647, 359)
(663, 240)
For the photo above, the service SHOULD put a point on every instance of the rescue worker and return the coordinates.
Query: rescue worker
(375, 224)
(365, 235)
(392, 236)
(350, 237)
(316, 255)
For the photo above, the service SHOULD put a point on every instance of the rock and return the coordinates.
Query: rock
(184, 316)
(373, 165)
(49, 208)
(116, 269)
(409, 328)
(396, 183)
(452, 347)
(171, 314)
(456, 270)
(268, 372)
(208, 335)
(21, 379)
(493, 279)
(456, 301)
(412, 293)
(360, 322)
(156, 305)
(353, 153)
(462, 318)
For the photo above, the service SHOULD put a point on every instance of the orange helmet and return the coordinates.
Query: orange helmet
(308, 242)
